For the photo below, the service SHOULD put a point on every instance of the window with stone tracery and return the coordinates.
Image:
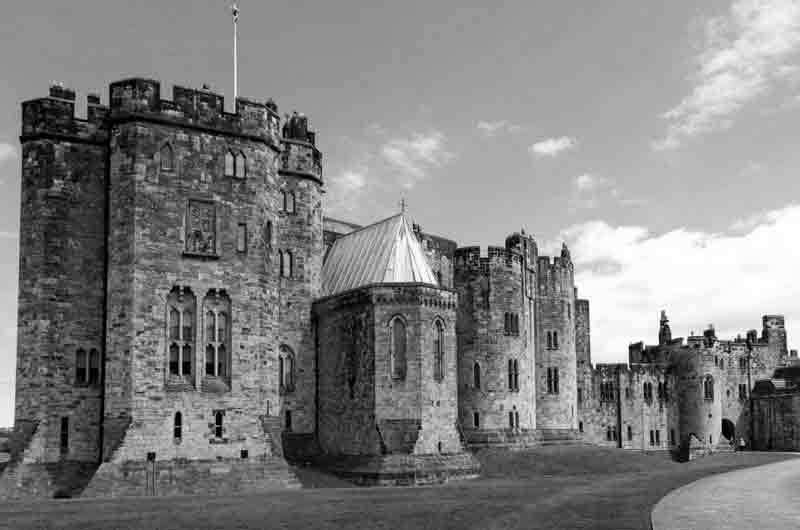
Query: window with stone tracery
(397, 329)
(181, 311)
(217, 324)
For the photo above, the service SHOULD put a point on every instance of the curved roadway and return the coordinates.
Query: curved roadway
(765, 497)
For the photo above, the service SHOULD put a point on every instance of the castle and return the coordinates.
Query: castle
(189, 320)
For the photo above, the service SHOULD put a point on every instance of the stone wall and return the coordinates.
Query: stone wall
(61, 280)
(555, 313)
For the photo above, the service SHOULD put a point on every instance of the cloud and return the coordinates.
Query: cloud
(729, 278)
(744, 54)
(553, 146)
(493, 128)
(413, 157)
(590, 190)
(346, 188)
(7, 152)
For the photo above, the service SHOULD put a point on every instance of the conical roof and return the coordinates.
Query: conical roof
(384, 252)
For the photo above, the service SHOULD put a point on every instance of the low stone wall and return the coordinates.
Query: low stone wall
(403, 470)
(21, 481)
(191, 477)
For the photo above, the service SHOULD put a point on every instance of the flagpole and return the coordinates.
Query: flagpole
(235, 12)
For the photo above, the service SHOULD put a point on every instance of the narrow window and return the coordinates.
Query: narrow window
(230, 164)
(476, 419)
(94, 367)
(288, 264)
(218, 431)
(284, 201)
(398, 348)
(510, 374)
(580, 395)
(510, 419)
(608, 434)
(630, 433)
(708, 388)
(286, 362)
(672, 436)
(549, 380)
(281, 372)
(216, 311)
(476, 375)
(516, 374)
(292, 203)
(652, 437)
(177, 430)
(241, 238)
(80, 367)
(658, 437)
(167, 160)
(549, 341)
(580, 426)
(288, 420)
(555, 340)
(438, 351)
(268, 234)
(241, 166)
(555, 380)
(516, 418)
(280, 262)
(64, 435)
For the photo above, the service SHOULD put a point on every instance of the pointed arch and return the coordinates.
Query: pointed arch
(230, 164)
(240, 170)
(397, 346)
(438, 349)
(166, 158)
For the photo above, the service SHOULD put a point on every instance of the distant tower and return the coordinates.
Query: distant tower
(664, 333)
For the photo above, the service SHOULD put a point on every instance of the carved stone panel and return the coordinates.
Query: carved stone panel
(201, 228)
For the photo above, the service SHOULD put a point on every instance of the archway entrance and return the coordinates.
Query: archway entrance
(728, 429)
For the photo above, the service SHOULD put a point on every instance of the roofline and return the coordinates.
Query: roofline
(384, 284)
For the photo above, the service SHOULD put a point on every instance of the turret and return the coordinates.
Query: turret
(664, 332)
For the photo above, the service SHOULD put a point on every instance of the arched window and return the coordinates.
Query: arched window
(708, 388)
(81, 376)
(438, 350)
(284, 201)
(398, 348)
(510, 419)
(516, 375)
(230, 164)
(510, 374)
(555, 340)
(181, 314)
(218, 417)
(286, 367)
(476, 375)
(292, 203)
(216, 311)
(167, 158)
(268, 234)
(630, 433)
(549, 341)
(94, 367)
(241, 166)
(177, 430)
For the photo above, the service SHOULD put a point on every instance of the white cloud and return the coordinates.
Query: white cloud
(553, 146)
(588, 182)
(493, 128)
(731, 279)
(414, 157)
(591, 190)
(745, 52)
(7, 152)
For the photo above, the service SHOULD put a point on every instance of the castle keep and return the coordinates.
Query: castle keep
(189, 320)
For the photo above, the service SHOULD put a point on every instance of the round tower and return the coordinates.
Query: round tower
(495, 364)
(556, 363)
(298, 254)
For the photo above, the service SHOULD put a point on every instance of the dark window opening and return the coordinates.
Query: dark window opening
(218, 430)
(476, 419)
(64, 446)
(476, 375)
(177, 431)
(288, 420)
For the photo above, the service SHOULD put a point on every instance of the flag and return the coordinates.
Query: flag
(235, 13)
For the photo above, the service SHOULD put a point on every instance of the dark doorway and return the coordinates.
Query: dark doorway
(728, 429)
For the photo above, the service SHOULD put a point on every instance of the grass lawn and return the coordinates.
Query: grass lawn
(548, 487)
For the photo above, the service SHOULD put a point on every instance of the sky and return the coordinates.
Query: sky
(658, 139)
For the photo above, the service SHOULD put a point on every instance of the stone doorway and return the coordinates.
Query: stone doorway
(728, 429)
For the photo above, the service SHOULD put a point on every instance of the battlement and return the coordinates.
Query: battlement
(473, 258)
(54, 117)
(300, 156)
(581, 306)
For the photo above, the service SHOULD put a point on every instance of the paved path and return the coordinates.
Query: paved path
(765, 497)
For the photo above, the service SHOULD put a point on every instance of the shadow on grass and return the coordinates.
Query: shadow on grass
(549, 487)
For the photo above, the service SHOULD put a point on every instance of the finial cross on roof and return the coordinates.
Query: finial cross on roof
(403, 205)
